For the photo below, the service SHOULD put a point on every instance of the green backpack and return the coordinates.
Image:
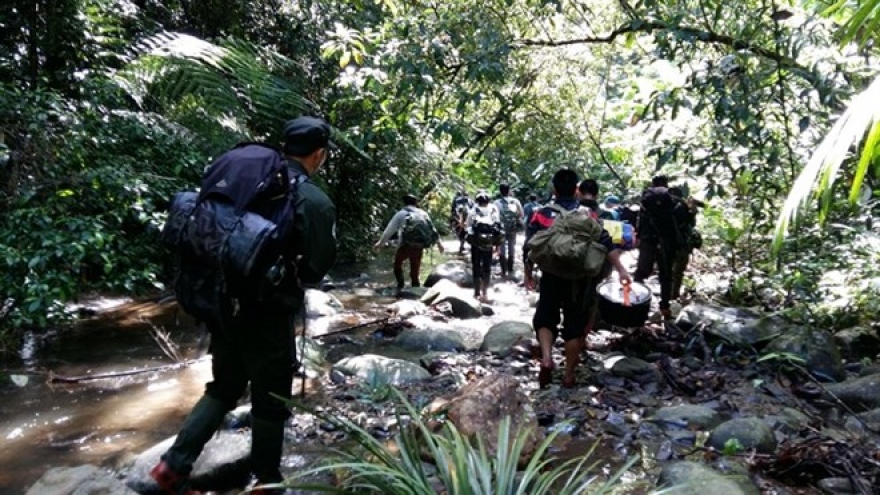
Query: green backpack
(510, 220)
(418, 231)
(569, 247)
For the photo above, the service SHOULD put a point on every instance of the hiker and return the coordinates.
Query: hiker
(611, 208)
(415, 233)
(458, 221)
(484, 233)
(687, 211)
(255, 345)
(661, 237)
(511, 213)
(530, 208)
(566, 292)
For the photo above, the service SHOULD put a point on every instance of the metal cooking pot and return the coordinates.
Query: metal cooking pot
(624, 305)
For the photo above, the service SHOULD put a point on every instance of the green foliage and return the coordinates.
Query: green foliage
(463, 465)
(732, 447)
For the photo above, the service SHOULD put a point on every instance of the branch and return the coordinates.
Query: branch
(642, 26)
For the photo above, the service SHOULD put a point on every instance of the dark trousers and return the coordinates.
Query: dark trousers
(256, 349)
(414, 255)
(481, 263)
(663, 255)
(506, 252)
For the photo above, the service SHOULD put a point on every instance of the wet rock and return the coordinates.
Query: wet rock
(240, 417)
(752, 434)
(309, 353)
(693, 478)
(735, 325)
(224, 461)
(379, 369)
(79, 480)
(857, 342)
(615, 424)
(407, 308)
(415, 339)
(319, 303)
(409, 293)
(629, 367)
(322, 325)
(459, 301)
(869, 370)
(479, 407)
(861, 394)
(337, 377)
(865, 422)
(843, 486)
(817, 349)
(456, 271)
(686, 416)
(502, 337)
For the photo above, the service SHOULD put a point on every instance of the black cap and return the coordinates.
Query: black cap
(303, 135)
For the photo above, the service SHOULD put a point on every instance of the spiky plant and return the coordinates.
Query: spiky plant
(463, 465)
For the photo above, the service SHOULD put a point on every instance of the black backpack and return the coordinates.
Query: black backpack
(658, 216)
(234, 238)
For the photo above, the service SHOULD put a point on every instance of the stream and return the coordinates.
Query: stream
(108, 422)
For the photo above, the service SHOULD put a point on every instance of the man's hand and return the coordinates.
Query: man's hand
(625, 279)
(377, 246)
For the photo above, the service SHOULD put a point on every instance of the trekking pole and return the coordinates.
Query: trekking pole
(302, 354)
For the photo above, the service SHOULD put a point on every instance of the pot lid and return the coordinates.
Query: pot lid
(613, 291)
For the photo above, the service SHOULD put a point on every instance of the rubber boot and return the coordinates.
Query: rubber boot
(201, 424)
(266, 448)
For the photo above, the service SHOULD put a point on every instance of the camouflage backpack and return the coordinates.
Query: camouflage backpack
(510, 220)
(569, 247)
(417, 230)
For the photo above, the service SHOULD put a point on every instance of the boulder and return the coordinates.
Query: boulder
(456, 271)
(844, 486)
(406, 308)
(319, 303)
(478, 408)
(382, 370)
(857, 342)
(309, 353)
(751, 433)
(693, 478)
(629, 367)
(737, 326)
(79, 480)
(502, 337)
(863, 423)
(459, 301)
(223, 462)
(408, 293)
(686, 416)
(415, 339)
(861, 394)
(817, 349)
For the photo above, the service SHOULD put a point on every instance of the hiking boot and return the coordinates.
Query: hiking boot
(170, 481)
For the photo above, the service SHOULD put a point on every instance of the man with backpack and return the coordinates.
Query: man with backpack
(530, 208)
(687, 212)
(252, 342)
(662, 217)
(460, 207)
(511, 212)
(484, 233)
(571, 248)
(415, 233)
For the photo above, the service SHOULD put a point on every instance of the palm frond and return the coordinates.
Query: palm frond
(862, 26)
(817, 178)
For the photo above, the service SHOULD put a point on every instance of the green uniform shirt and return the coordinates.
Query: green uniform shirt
(315, 227)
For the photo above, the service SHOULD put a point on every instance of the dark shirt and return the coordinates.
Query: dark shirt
(315, 227)
(569, 204)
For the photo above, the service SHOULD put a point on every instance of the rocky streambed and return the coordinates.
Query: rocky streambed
(722, 400)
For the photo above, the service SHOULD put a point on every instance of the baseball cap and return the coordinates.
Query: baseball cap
(303, 135)
(612, 200)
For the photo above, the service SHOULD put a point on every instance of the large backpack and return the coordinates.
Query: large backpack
(485, 234)
(658, 215)
(234, 238)
(417, 231)
(569, 247)
(510, 219)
